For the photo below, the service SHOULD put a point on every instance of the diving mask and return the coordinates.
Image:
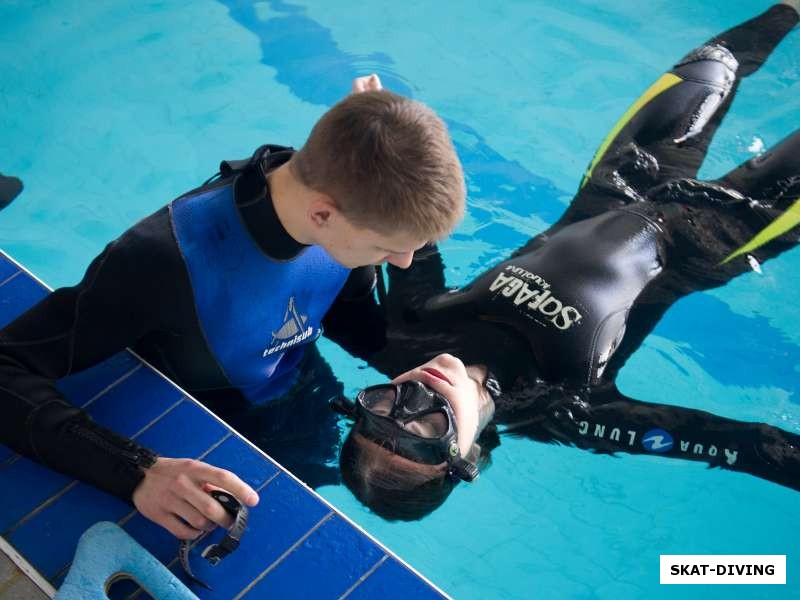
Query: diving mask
(411, 420)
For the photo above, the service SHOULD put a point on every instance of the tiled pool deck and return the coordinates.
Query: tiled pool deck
(297, 545)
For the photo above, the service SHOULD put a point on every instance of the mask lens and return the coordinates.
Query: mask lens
(380, 400)
(432, 425)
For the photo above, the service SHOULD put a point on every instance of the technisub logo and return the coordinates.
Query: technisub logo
(655, 440)
(539, 299)
(292, 332)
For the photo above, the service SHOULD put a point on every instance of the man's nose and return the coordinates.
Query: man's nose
(402, 261)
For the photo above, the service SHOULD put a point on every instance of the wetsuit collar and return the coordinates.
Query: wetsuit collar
(255, 206)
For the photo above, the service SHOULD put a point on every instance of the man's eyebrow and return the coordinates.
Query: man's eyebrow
(390, 251)
(404, 251)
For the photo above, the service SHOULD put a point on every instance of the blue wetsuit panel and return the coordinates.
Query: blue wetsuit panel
(256, 312)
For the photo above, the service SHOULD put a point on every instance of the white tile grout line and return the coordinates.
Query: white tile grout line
(111, 386)
(283, 556)
(9, 461)
(42, 505)
(23, 268)
(364, 577)
(265, 455)
(9, 278)
(26, 568)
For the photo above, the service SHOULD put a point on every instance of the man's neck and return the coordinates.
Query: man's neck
(290, 199)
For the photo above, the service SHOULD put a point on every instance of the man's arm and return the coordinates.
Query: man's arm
(127, 291)
(609, 422)
(356, 321)
(359, 323)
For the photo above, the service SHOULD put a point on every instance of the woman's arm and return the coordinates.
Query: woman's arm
(609, 422)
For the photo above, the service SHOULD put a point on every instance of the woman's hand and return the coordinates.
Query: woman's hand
(368, 83)
(463, 388)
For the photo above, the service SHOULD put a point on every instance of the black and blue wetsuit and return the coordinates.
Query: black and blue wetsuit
(159, 289)
(558, 319)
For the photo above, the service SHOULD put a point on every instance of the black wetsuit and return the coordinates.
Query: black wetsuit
(137, 294)
(10, 188)
(557, 320)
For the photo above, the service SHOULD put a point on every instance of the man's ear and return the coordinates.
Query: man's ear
(322, 210)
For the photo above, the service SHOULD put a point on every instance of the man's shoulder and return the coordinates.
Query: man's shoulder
(149, 245)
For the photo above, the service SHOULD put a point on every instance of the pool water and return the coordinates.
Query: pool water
(110, 109)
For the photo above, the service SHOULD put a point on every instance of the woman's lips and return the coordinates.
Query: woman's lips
(436, 373)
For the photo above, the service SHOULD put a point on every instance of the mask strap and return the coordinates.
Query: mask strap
(344, 406)
(463, 469)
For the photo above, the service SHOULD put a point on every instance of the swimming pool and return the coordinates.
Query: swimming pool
(111, 109)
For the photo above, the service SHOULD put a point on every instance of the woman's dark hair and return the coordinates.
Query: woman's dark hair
(394, 487)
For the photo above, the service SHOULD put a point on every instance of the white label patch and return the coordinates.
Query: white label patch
(532, 293)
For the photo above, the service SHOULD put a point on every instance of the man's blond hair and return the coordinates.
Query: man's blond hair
(388, 163)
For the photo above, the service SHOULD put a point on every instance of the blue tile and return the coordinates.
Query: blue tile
(128, 407)
(81, 387)
(157, 540)
(24, 485)
(48, 540)
(17, 296)
(7, 268)
(238, 456)
(185, 432)
(336, 553)
(286, 512)
(392, 580)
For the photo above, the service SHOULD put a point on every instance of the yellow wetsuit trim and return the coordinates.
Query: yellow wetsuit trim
(666, 81)
(790, 218)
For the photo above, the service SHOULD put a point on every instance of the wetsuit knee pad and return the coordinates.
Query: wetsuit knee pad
(713, 64)
(715, 67)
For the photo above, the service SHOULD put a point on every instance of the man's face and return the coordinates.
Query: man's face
(356, 247)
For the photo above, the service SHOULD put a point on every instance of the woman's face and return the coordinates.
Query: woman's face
(463, 387)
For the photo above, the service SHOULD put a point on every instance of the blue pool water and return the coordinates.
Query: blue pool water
(110, 109)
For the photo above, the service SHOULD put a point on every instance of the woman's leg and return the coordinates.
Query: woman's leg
(665, 134)
(718, 231)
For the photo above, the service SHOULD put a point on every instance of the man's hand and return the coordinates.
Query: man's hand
(174, 495)
(369, 83)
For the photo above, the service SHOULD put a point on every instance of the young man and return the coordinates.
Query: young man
(224, 289)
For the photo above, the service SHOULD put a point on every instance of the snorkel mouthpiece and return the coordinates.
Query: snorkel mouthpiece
(412, 420)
